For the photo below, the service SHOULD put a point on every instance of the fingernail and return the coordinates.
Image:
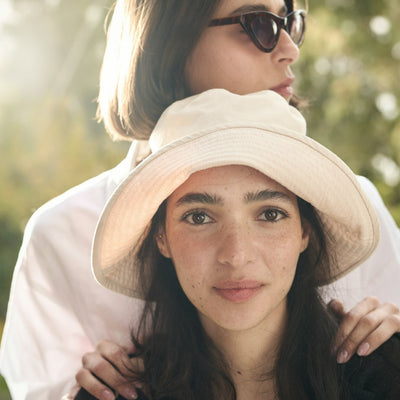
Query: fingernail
(363, 349)
(130, 394)
(342, 357)
(107, 395)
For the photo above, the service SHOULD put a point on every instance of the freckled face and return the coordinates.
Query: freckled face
(234, 236)
(225, 57)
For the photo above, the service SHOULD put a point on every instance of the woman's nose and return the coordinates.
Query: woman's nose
(286, 51)
(236, 247)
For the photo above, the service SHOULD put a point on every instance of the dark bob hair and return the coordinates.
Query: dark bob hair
(143, 71)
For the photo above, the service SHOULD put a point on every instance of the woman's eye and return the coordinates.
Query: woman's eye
(272, 215)
(197, 218)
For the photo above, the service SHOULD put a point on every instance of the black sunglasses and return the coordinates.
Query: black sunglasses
(264, 27)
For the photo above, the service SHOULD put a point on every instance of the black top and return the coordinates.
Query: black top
(376, 377)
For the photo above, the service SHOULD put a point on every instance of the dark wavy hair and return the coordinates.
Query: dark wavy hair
(148, 44)
(182, 363)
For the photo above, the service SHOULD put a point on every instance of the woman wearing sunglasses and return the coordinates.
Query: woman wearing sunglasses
(159, 52)
(227, 242)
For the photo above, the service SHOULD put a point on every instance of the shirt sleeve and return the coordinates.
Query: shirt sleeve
(57, 311)
(380, 274)
(42, 337)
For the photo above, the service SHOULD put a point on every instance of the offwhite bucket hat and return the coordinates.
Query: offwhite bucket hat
(217, 128)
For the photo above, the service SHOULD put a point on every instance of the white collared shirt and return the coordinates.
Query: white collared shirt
(57, 312)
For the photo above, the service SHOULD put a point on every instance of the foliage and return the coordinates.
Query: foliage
(349, 71)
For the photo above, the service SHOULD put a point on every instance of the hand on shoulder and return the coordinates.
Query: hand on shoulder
(365, 327)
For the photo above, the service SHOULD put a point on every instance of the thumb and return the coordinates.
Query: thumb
(337, 308)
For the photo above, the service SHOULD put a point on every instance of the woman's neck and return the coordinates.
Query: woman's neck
(251, 355)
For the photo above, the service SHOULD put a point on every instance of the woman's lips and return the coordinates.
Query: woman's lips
(285, 89)
(238, 292)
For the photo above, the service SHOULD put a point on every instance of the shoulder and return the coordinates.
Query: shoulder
(367, 186)
(82, 203)
(376, 377)
(370, 190)
(372, 193)
(388, 226)
(382, 270)
(60, 232)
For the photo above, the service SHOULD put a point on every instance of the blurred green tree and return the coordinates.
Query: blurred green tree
(349, 71)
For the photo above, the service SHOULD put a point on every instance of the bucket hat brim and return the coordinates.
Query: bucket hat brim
(292, 159)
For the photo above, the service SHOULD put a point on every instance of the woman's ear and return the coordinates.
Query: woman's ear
(306, 229)
(162, 243)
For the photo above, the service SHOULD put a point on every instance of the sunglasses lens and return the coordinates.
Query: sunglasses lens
(265, 30)
(296, 28)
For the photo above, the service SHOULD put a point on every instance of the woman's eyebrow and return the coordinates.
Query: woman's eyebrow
(266, 195)
(203, 198)
(256, 7)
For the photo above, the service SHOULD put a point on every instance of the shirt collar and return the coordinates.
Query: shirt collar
(138, 151)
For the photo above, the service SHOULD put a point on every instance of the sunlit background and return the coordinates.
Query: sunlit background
(50, 56)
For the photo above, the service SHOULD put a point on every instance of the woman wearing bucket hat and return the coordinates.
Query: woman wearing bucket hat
(159, 52)
(227, 242)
